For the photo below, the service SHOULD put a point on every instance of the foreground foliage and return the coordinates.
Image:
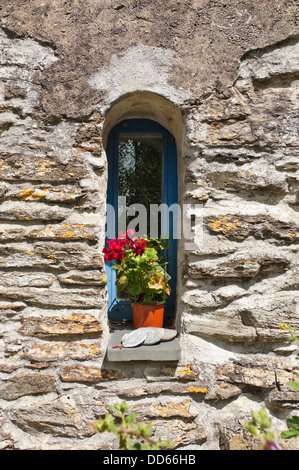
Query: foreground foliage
(260, 425)
(293, 421)
(130, 435)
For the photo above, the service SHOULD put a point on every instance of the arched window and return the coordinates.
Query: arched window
(142, 192)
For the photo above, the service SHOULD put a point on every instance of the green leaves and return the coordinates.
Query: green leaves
(131, 435)
(291, 330)
(260, 427)
(294, 385)
(293, 430)
(142, 278)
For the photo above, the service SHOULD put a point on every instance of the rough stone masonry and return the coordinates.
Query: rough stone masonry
(223, 77)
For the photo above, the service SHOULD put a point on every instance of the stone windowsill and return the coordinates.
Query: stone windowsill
(163, 351)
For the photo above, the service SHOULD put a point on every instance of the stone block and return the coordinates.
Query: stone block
(48, 170)
(240, 227)
(27, 383)
(83, 278)
(63, 351)
(57, 326)
(239, 266)
(17, 279)
(66, 194)
(12, 234)
(82, 373)
(55, 298)
(23, 212)
(219, 327)
(66, 416)
(69, 232)
(55, 255)
(178, 432)
(171, 409)
(283, 399)
(69, 255)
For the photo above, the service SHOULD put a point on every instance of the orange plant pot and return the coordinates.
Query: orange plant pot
(147, 315)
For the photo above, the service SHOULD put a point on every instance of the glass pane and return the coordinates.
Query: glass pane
(140, 171)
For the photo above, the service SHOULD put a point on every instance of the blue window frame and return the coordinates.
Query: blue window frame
(120, 309)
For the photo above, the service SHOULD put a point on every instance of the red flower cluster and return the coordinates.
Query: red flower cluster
(116, 248)
(138, 246)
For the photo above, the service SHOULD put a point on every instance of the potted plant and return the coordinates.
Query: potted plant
(141, 276)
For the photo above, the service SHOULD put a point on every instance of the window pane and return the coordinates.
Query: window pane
(140, 171)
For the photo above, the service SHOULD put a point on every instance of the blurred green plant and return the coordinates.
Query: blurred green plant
(293, 428)
(292, 332)
(293, 421)
(130, 435)
(260, 427)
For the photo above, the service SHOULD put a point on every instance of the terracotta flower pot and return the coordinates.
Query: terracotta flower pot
(148, 315)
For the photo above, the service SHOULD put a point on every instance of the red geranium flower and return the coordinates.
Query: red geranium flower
(116, 249)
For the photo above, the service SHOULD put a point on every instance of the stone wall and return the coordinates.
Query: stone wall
(231, 72)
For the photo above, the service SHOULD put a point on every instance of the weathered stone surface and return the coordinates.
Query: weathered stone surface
(67, 194)
(233, 378)
(57, 256)
(276, 105)
(187, 25)
(292, 281)
(250, 320)
(12, 346)
(64, 232)
(12, 305)
(27, 383)
(89, 138)
(48, 170)
(260, 227)
(136, 388)
(13, 91)
(70, 255)
(219, 327)
(63, 351)
(249, 179)
(7, 369)
(286, 398)
(17, 279)
(239, 267)
(178, 432)
(58, 298)
(47, 327)
(262, 376)
(12, 233)
(81, 373)
(185, 372)
(229, 107)
(65, 416)
(31, 212)
(224, 391)
(261, 309)
(234, 115)
(24, 257)
(83, 278)
(197, 301)
(180, 409)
